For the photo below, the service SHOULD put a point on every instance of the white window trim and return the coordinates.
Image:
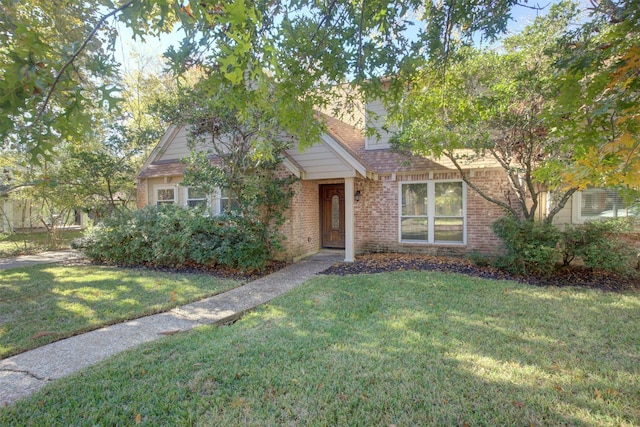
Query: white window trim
(576, 211)
(219, 199)
(576, 208)
(156, 188)
(431, 211)
(207, 198)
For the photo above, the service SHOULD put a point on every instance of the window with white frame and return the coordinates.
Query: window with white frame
(433, 212)
(226, 201)
(601, 203)
(165, 195)
(195, 198)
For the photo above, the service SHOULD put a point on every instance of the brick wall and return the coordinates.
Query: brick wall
(377, 216)
(141, 193)
(481, 213)
(302, 221)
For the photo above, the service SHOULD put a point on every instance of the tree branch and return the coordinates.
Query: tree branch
(75, 55)
(536, 7)
(475, 188)
(563, 201)
(324, 18)
(360, 52)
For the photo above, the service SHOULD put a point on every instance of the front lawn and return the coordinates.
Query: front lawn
(37, 241)
(405, 348)
(45, 303)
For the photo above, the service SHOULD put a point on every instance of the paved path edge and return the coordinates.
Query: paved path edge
(26, 373)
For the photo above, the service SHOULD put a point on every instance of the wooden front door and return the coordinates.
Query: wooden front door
(332, 215)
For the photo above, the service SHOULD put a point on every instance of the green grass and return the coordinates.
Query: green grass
(404, 349)
(25, 243)
(45, 303)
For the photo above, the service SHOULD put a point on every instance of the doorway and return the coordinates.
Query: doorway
(332, 215)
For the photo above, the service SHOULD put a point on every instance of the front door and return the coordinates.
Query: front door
(332, 215)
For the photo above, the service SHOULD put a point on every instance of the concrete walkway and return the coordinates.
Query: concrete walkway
(27, 372)
(41, 258)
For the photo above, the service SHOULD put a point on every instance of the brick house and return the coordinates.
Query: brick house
(355, 194)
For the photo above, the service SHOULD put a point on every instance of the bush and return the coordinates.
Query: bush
(536, 248)
(530, 247)
(598, 244)
(169, 236)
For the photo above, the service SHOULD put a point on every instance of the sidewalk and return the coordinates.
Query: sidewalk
(27, 372)
(40, 258)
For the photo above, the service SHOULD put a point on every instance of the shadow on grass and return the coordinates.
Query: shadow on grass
(404, 349)
(42, 304)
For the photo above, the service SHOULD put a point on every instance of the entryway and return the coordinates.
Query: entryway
(332, 216)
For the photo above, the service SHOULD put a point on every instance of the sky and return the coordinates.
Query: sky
(128, 49)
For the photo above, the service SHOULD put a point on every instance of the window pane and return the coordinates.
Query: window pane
(415, 229)
(335, 212)
(195, 193)
(226, 206)
(197, 203)
(414, 199)
(165, 195)
(448, 229)
(448, 198)
(604, 203)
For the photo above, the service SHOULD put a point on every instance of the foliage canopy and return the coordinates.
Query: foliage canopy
(58, 70)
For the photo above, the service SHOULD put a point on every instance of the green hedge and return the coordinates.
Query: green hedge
(170, 236)
(598, 244)
(537, 248)
(530, 247)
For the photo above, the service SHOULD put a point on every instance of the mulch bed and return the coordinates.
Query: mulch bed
(573, 276)
(388, 262)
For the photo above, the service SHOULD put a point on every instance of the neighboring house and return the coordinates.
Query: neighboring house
(355, 194)
(25, 214)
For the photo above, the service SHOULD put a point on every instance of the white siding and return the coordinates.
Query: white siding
(320, 162)
(178, 147)
(345, 104)
(563, 217)
(376, 115)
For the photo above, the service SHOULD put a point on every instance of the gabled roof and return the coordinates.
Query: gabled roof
(340, 153)
(387, 161)
(155, 170)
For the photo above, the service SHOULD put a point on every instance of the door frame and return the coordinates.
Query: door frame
(342, 209)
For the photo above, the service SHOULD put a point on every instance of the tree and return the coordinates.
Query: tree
(495, 104)
(55, 72)
(237, 153)
(57, 65)
(56, 59)
(599, 103)
(94, 173)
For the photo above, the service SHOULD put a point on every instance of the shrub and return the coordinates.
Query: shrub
(536, 248)
(480, 259)
(599, 246)
(169, 236)
(530, 247)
